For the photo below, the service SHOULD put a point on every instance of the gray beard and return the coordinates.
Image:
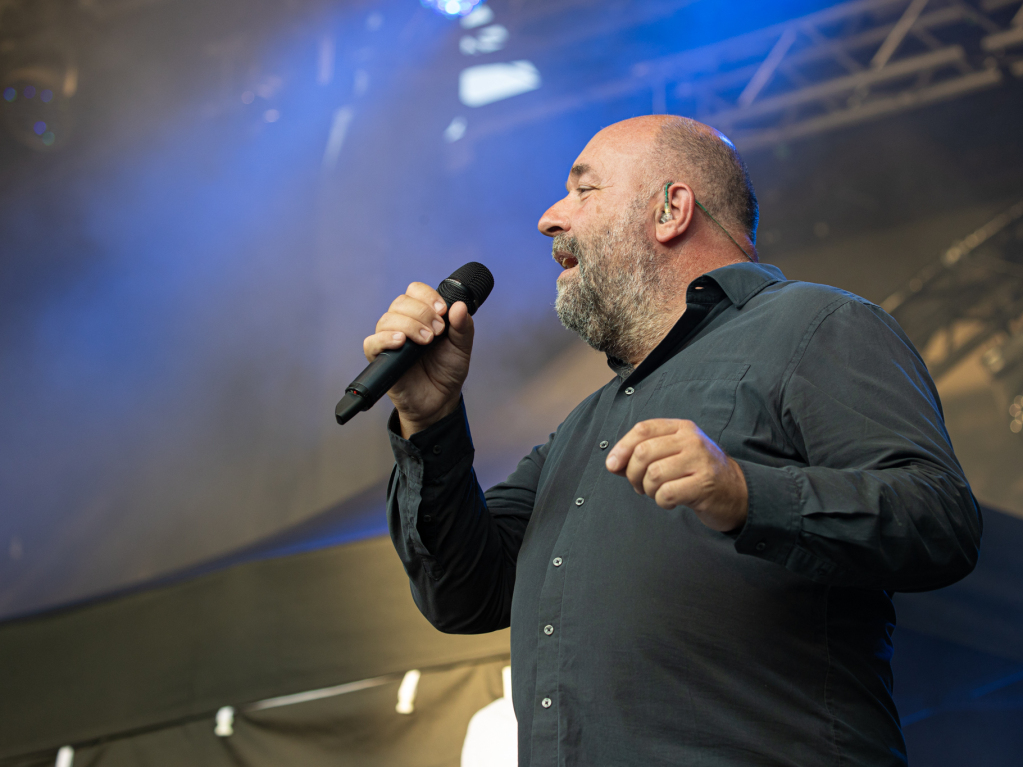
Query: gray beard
(615, 302)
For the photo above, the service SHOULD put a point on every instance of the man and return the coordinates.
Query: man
(697, 565)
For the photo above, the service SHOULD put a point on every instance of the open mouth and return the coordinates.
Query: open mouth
(566, 260)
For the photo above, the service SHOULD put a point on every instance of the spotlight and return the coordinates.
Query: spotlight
(451, 8)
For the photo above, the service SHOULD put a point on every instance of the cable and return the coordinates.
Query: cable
(667, 217)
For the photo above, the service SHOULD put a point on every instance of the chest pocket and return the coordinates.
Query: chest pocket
(704, 396)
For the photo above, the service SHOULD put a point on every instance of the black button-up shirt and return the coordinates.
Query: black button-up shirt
(641, 637)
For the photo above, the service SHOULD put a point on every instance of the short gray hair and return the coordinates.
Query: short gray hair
(710, 164)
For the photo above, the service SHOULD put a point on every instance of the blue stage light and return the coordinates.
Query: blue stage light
(451, 8)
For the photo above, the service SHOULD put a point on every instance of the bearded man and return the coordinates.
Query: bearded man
(697, 566)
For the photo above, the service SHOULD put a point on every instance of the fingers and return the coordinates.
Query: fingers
(418, 314)
(684, 461)
(668, 450)
(424, 317)
(676, 464)
(427, 295)
(378, 342)
(720, 499)
(649, 457)
(621, 454)
(460, 327)
(427, 304)
(686, 491)
(418, 332)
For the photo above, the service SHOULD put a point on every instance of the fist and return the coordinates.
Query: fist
(676, 464)
(432, 387)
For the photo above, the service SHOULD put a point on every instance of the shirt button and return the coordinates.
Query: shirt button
(603, 444)
(546, 702)
(548, 629)
(629, 390)
(761, 546)
(578, 501)
(436, 449)
(558, 561)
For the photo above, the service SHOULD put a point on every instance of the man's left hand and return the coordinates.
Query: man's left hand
(675, 463)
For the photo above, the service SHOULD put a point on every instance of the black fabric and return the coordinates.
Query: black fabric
(639, 636)
(257, 630)
(357, 729)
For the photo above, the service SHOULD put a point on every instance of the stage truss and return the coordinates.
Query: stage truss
(970, 300)
(850, 63)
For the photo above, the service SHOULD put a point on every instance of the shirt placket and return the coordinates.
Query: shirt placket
(549, 719)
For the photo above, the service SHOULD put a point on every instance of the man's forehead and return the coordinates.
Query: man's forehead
(613, 151)
(601, 170)
(595, 160)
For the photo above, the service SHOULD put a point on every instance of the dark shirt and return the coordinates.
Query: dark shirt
(641, 637)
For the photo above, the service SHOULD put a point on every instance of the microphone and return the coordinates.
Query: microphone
(472, 284)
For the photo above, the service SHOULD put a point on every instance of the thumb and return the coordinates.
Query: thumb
(460, 327)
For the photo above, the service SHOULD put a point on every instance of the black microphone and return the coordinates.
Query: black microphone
(472, 284)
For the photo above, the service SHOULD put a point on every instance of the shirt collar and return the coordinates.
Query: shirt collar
(740, 282)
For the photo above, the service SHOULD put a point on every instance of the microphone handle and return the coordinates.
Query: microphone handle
(391, 364)
(375, 380)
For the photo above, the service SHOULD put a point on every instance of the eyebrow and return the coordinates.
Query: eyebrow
(579, 169)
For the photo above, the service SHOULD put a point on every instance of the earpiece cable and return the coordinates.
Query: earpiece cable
(667, 217)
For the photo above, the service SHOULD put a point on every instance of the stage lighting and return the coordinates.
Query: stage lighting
(451, 8)
(487, 83)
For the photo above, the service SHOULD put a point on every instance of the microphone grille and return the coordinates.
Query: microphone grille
(476, 278)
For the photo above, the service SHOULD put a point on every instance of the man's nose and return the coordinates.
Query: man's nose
(553, 221)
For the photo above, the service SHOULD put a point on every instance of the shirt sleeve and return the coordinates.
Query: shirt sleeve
(882, 501)
(458, 545)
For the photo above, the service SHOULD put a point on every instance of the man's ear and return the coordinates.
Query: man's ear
(675, 212)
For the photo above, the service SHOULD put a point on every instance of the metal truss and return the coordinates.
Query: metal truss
(971, 298)
(853, 62)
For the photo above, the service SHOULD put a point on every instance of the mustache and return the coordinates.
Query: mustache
(564, 243)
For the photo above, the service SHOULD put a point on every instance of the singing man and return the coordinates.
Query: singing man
(698, 565)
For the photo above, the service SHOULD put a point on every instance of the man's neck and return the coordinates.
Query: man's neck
(658, 333)
(675, 307)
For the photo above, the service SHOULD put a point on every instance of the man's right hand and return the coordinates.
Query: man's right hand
(431, 388)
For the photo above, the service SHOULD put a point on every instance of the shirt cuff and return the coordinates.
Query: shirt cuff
(774, 521)
(431, 453)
